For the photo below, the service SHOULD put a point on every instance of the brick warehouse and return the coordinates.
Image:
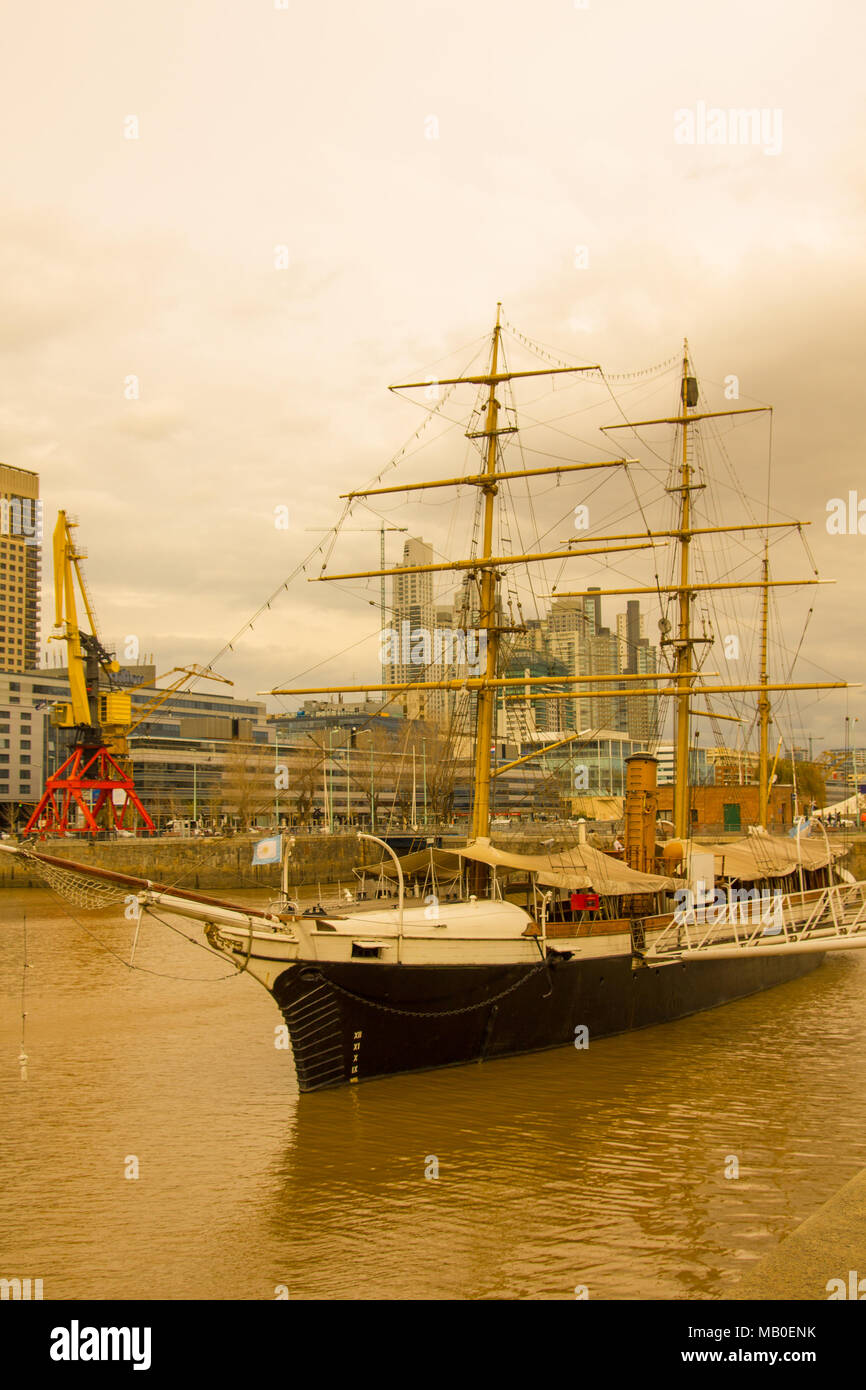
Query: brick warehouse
(715, 810)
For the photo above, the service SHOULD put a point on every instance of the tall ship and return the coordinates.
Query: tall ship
(449, 956)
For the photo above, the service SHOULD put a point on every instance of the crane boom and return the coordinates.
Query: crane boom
(66, 619)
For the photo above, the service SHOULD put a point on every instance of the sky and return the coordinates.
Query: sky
(228, 227)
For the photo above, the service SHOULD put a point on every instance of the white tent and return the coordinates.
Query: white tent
(575, 869)
(850, 809)
(770, 856)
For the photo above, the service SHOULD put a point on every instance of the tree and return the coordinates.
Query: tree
(247, 783)
(809, 777)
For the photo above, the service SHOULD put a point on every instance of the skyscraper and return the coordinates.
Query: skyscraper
(630, 628)
(643, 710)
(20, 551)
(592, 608)
(637, 657)
(567, 631)
(413, 622)
(605, 712)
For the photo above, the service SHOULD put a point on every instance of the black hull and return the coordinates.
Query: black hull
(355, 1021)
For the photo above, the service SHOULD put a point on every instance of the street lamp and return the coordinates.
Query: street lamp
(352, 736)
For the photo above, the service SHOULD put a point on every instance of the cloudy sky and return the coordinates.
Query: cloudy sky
(418, 162)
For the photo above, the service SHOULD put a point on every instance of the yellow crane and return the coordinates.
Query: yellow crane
(95, 782)
(119, 737)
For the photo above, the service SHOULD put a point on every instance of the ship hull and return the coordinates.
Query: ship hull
(356, 1021)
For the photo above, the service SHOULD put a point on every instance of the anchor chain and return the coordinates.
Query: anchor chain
(431, 1013)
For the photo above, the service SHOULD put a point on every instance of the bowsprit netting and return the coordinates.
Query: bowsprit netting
(75, 888)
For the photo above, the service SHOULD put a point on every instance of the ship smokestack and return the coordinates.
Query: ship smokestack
(641, 804)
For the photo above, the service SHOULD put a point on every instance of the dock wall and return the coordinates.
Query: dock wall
(207, 863)
(200, 863)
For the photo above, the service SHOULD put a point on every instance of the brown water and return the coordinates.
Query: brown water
(603, 1168)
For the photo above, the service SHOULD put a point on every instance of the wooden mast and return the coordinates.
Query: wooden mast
(763, 701)
(682, 829)
(488, 623)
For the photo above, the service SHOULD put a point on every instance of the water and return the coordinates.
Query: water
(603, 1168)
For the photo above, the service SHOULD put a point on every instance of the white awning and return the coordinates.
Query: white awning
(769, 856)
(576, 869)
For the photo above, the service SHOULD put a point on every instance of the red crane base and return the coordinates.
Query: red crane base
(86, 771)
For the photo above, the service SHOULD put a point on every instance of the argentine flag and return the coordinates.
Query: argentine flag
(268, 851)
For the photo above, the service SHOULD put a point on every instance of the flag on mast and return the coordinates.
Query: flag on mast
(268, 851)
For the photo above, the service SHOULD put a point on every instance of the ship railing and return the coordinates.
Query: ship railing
(837, 914)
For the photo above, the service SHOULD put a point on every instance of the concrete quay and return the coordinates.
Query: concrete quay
(824, 1258)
